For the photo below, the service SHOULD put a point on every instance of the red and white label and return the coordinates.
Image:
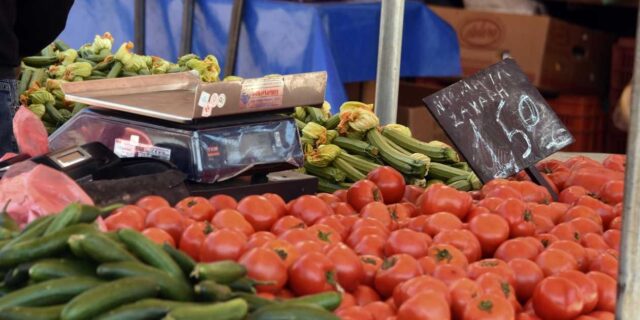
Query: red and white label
(262, 93)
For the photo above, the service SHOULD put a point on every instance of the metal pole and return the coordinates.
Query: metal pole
(139, 26)
(628, 279)
(187, 27)
(389, 51)
(234, 37)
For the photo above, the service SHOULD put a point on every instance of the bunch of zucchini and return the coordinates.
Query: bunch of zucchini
(343, 148)
(62, 267)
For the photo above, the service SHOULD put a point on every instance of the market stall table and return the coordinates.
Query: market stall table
(282, 37)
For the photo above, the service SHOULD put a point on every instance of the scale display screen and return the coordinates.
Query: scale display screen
(70, 158)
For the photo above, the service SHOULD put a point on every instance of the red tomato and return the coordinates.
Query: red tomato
(612, 238)
(425, 306)
(441, 221)
(463, 240)
(606, 291)
(310, 209)
(365, 295)
(605, 263)
(527, 275)
(448, 254)
(518, 216)
(309, 246)
(592, 179)
(259, 212)
(439, 197)
(159, 236)
(547, 211)
(358, 233)
(411, 193)
(312, 273)
(372, 244)
(492, 283)
(395, 270)
(167, 219)
(587, 286)
(402, 212)
(417, 223)
(193, 237)
(232, 219)
(555, 170)
(277, 202)
(126, 217)
(616, 223)
(585, 225)
(516, 248)
(259, 238)
(566, 231)
(347, 301)
(558, 299)
(370, 266)
(427, 265)
(348, 266)
(343, 209)
(489, 307)
(532, 192)
(594, 241)
(602, 315)
(379, 310)
(461, 293)
(448, 273)
(490, 203)
(571, 194)
(362, 193)
(574, 249)
(328, 198)
(615, 162)
(285, 223)
(224, 244)
(287, 253)
(378, 211)
(555, 261)
(578, 211)
(196, 208)
(612, 192)
(411, 287)
(335, 222)
(223, 201)
(390, 182)
(354, 313)
(341, 194)
(503, 192)
(475, 211)
(415, 244)
(546, 239)
(150, 203)
(499, 267)
(296, 235)
(543, 224)
(265, 265)
(325, 234)
(491, 230)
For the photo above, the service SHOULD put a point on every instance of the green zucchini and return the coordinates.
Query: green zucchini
(235, 309)
(290, 311)
(327, 300)
(49, 293)
(141, 310)
(31, 313)
(103, 249)
(149, 252)
(211, 291)
(184, 261)
(60, 268)
(223, 272)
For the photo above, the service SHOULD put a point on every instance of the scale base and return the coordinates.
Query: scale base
(287, 184)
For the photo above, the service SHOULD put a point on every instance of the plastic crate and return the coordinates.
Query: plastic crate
(622, 57)
(584, 117)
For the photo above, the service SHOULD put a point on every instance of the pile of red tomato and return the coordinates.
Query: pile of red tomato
(403, 252)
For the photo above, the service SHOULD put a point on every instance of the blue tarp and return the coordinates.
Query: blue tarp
(281, 37)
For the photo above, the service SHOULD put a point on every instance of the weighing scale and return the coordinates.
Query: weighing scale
(228, 137)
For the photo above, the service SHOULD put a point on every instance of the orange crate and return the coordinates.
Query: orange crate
(584, 117)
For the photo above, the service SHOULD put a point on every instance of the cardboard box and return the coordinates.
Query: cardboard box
(557, 56)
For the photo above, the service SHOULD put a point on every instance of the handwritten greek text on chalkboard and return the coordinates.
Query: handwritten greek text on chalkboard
(499, 121)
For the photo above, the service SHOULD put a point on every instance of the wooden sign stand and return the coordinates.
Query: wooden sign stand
(537, 177)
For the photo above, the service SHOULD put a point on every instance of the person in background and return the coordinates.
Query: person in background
(622, 111)
(26, 27)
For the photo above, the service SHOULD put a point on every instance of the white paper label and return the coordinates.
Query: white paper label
(133, 149)
(204, 99)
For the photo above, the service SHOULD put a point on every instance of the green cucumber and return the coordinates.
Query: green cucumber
(291, 311)
(149, 252)
(327, 300)
(103, 249)
(60, 268)
(63, 219)
(40, 61)
(211, 291)
(255, 302)
(235, 309)
(223, 272)
(170, 287)
(142, 310)
(49, 292)
(108, 296)
(18, 276)
(184, 261)
(244, 284)
(32, 230)
(31, 313)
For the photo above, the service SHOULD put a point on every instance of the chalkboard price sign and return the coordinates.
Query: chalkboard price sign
(499, 121)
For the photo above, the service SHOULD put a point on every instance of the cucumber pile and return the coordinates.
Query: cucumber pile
(62, 267)
(343, 148)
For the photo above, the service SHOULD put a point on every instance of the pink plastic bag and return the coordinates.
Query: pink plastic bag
(31, 135)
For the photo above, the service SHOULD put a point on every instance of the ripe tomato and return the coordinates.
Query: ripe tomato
(490, 203)
(475, 211)
(532, 192)
(578, 211)
(448, 254)
(309, 246)
(439, 197)
(390, 182)
(258, 239)
(616, 223)
(592, 179)
(518, 216)
(359, 232)
(566, 231)
(354, 313)
(193, 237)
(348, 266)
(150, 203)
(558, 299)
(427, 265)
(463, 240)
(258, 211)
(370, 266)
(196, 208)
(555, 170)
(325, 234)
(547, 211)
(378, 211)
(425, 306)
(223, 244)
(365, 295)
(415, 244)
(546, 239)
(312, 273)
(602, 315)
(126, 217)
(287, 253)
(571, 194)
(491, 230)
(503, 191)
(492, 283)
(612, 238)
(499, 267)
(277, 202)
(543, 224)
(585, 225)
(402, 212)
(574, 249)
(587, 286)
(605, 263)
(310, 209)
(223, 201)
(265, 265)
(362, 193)
(606, 291)
(159, 236)
(328, 198)
(411, 193)
(405, 290)
(594, 241)
(417, 223)
(232, 219)
(167, 219)
(347, 301)
(527, 276)
(615, 162)
(516, 248)
(461, 293)
(296, 235)
(440, 221)
(341, 194)
(448, 273)
(555, 261)
(285, 223)
(612, 192)
(343, 209)
(335, 222)
(489, 306)
(395, 270)
(371, 244)
(379, 310)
